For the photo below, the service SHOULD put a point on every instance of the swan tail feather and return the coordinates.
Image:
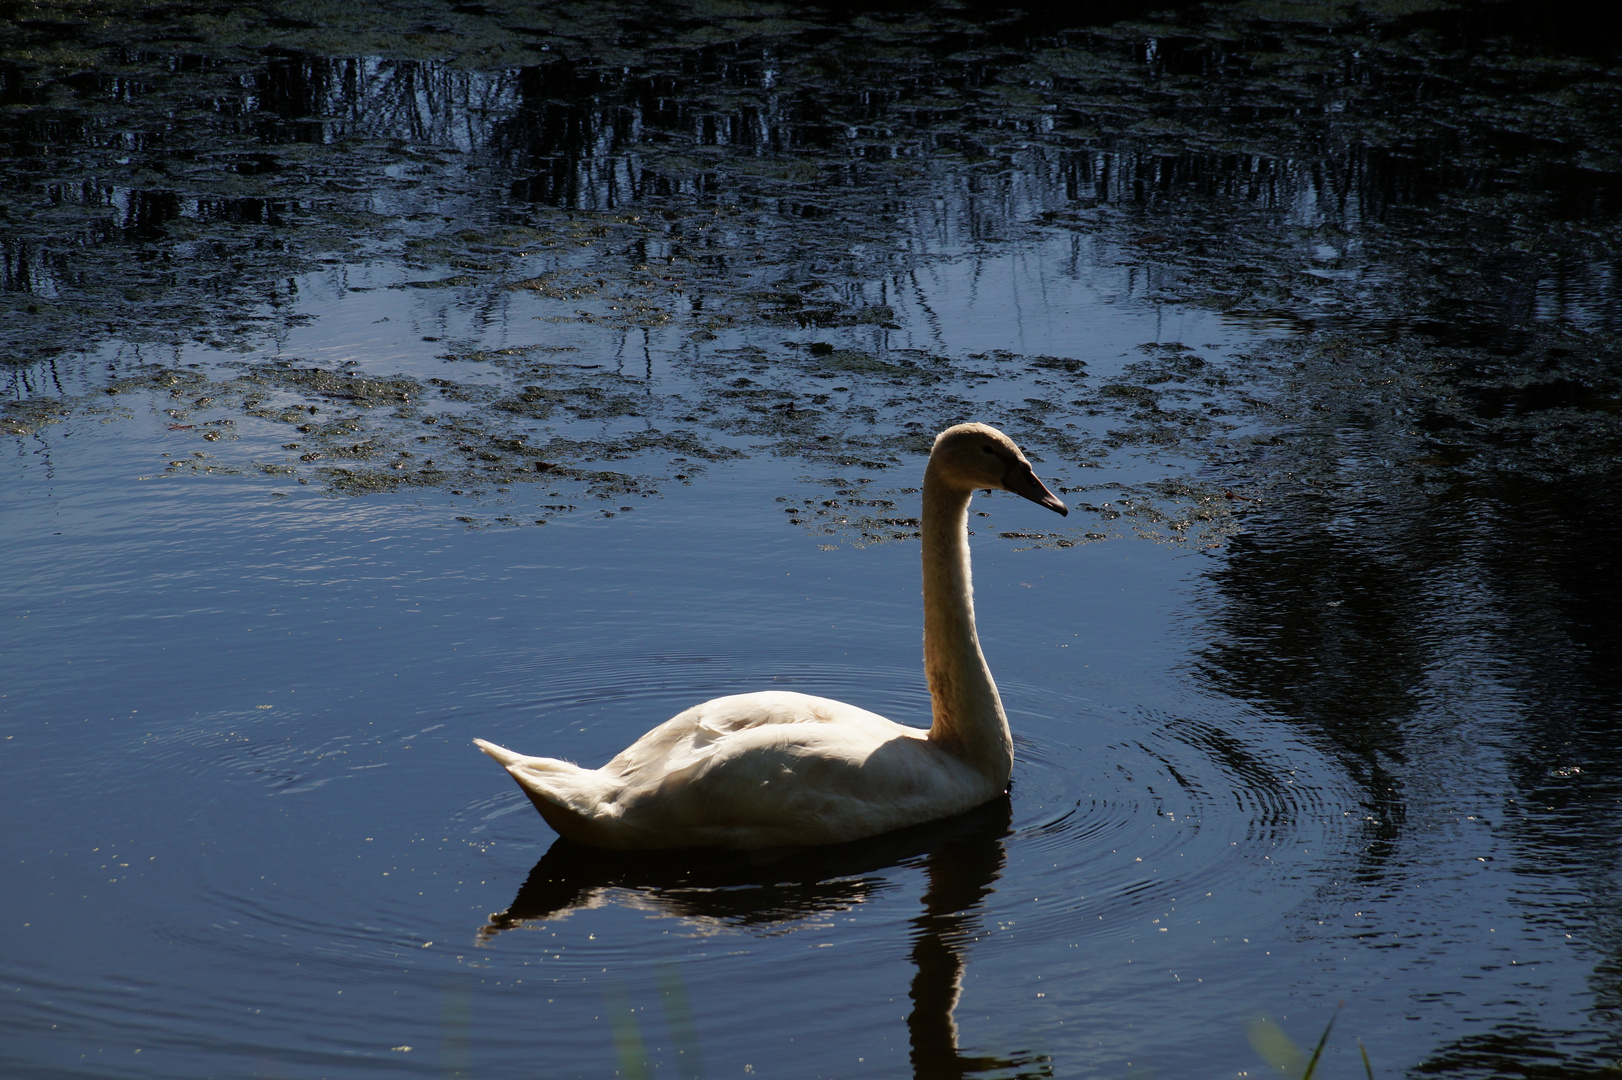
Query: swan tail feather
(502, 755)
(567, 796)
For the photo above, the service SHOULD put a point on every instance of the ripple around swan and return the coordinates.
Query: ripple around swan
(1121, 824)
(1165, 812)
(1126, 834)
(1177, 803)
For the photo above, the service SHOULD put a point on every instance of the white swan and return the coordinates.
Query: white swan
(779, 769)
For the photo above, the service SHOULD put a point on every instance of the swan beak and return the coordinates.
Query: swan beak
(1021, 480)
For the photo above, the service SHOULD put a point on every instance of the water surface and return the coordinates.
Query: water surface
(531, 375)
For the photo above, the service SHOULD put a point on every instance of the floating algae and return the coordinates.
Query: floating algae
(756, 197)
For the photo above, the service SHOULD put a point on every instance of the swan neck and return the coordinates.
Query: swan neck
(968, 715)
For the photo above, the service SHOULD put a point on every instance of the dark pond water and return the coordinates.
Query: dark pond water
(379, 377)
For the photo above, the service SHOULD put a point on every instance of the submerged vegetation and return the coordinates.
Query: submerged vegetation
(752, 198)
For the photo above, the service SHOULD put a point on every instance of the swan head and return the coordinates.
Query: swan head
(973, 456)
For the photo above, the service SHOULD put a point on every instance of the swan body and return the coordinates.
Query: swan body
(780, 769)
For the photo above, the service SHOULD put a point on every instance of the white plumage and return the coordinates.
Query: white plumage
(780, 769)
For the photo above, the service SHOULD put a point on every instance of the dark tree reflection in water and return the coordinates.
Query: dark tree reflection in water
(1444, 623)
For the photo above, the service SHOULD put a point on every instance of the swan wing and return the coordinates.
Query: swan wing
(699, 733)
(773, 769)
(782, 769)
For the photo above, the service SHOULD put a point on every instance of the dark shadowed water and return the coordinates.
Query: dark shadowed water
(379, 377)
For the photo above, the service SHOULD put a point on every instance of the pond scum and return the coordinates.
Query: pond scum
(759, 187)
(356, 434)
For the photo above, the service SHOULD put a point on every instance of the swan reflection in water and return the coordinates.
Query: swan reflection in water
(962, 858)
